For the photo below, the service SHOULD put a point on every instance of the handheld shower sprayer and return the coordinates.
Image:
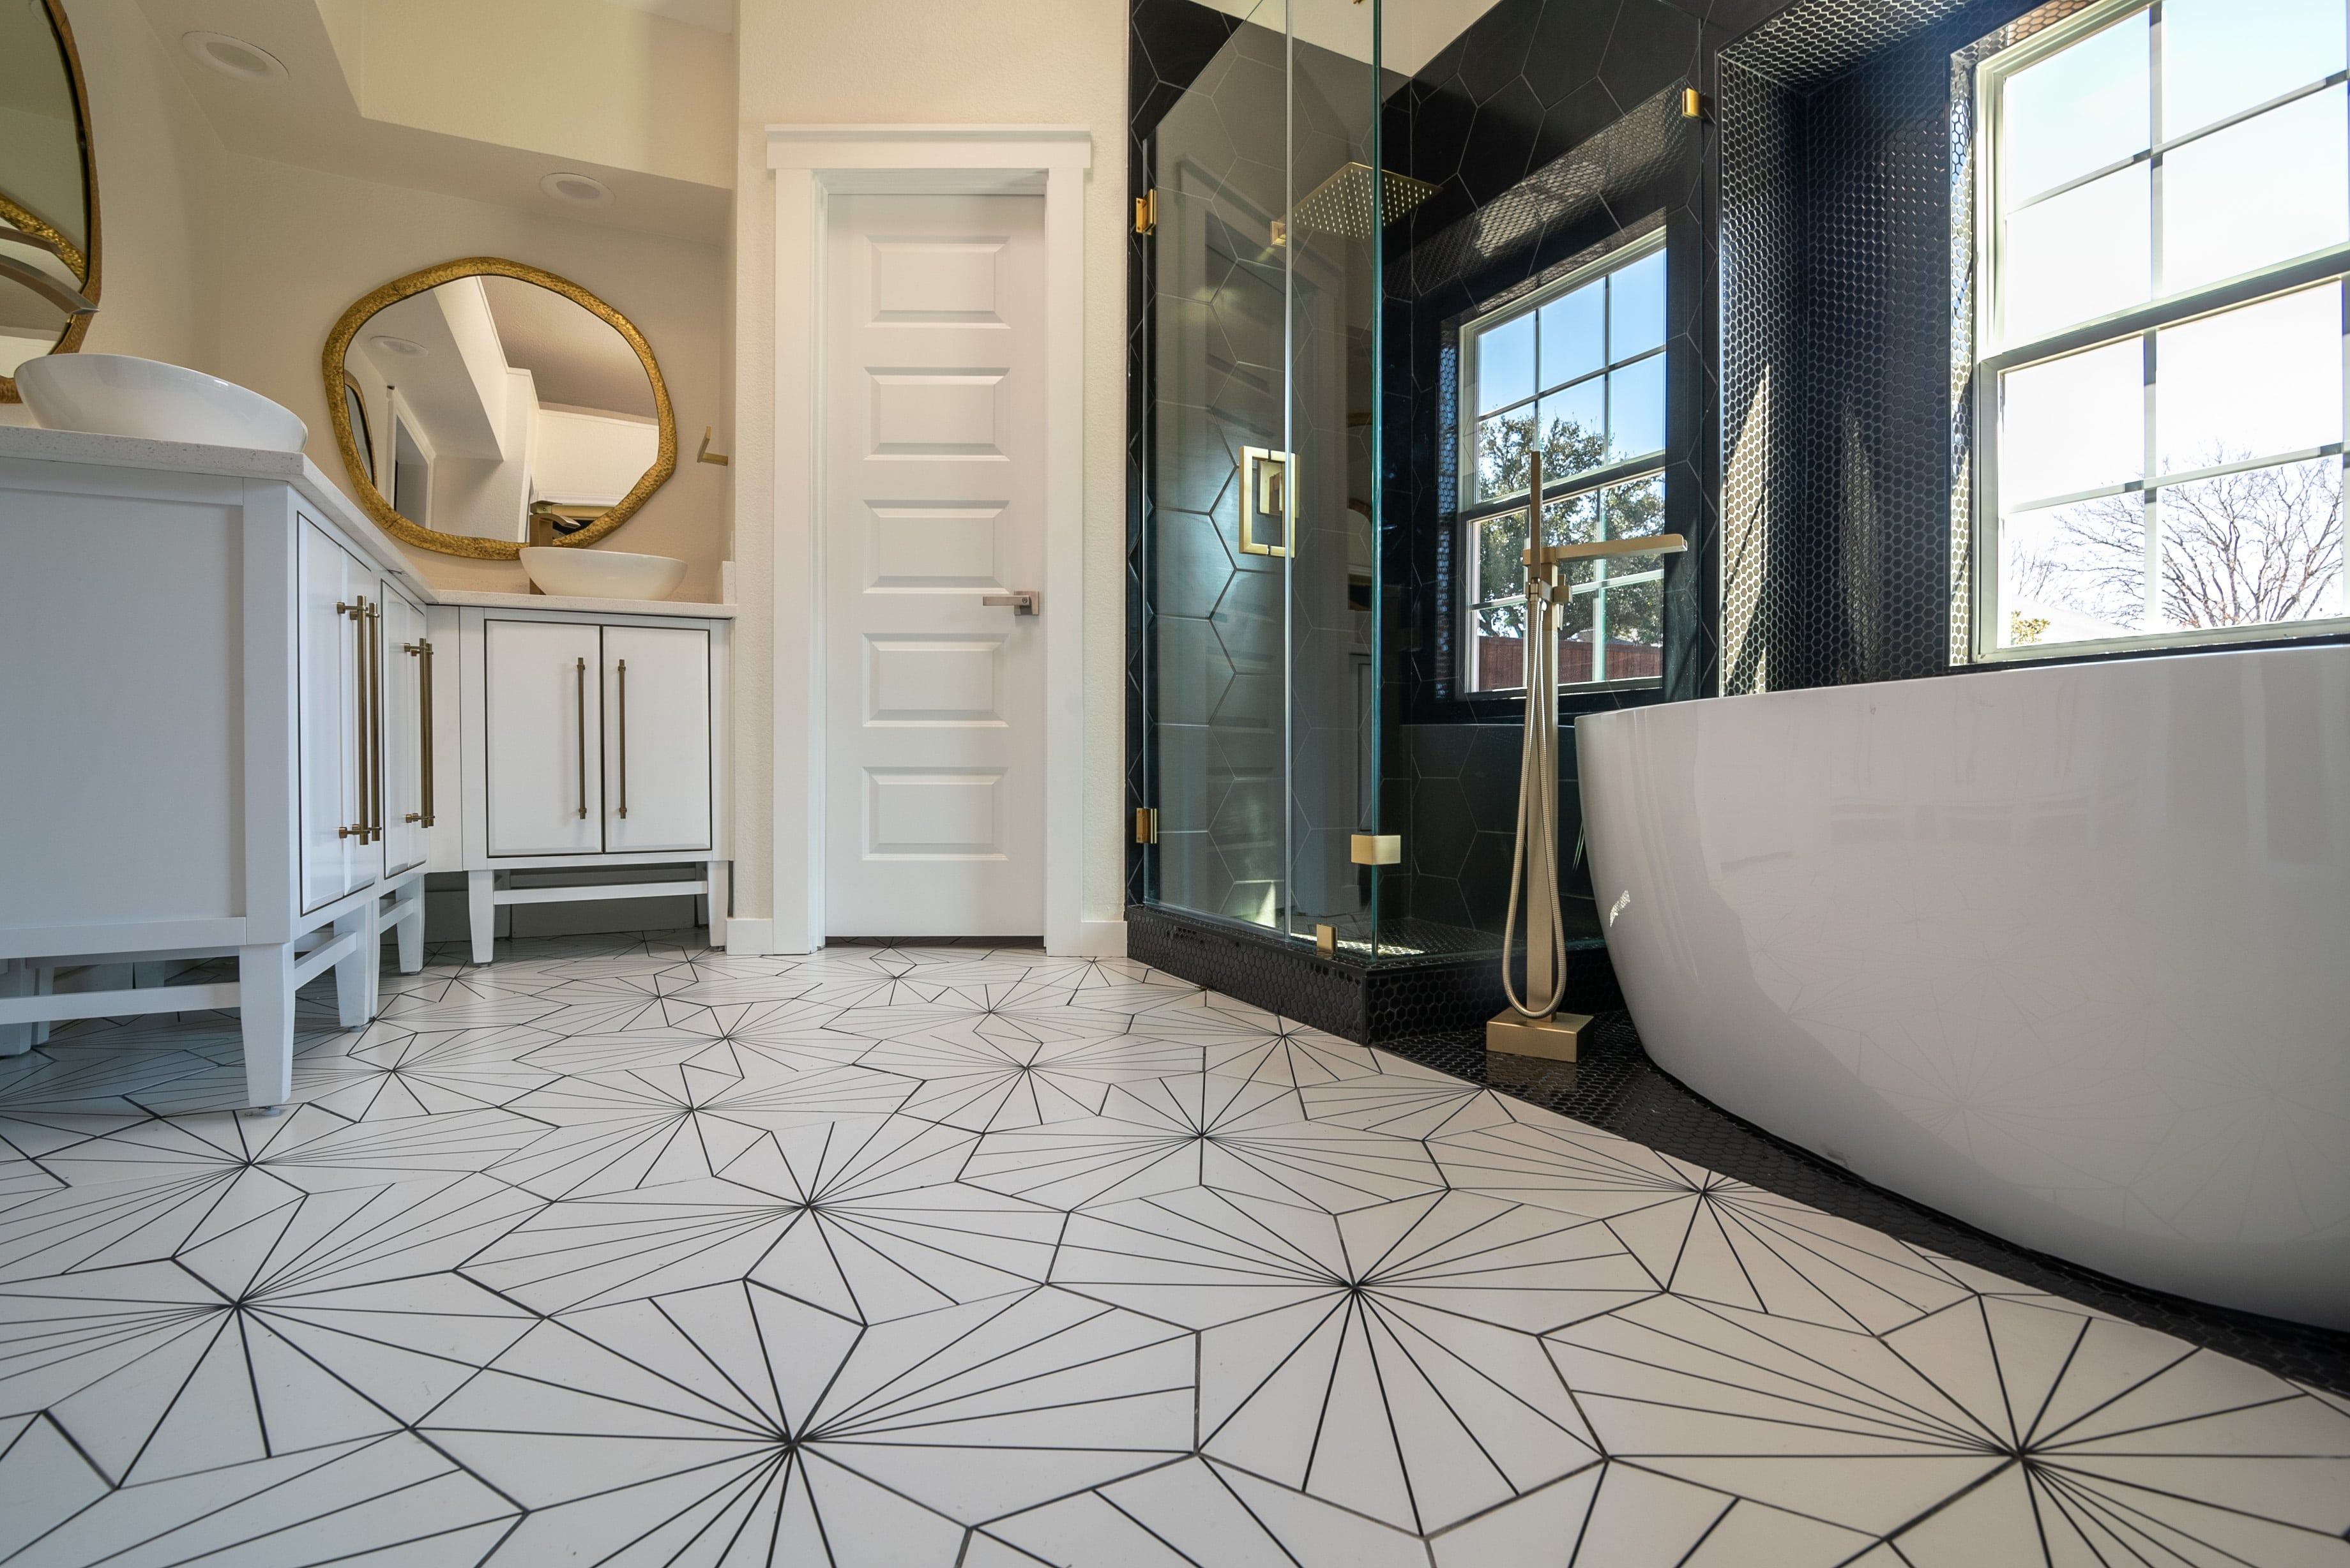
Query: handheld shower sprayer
(1533, 860)
(1533, 1026)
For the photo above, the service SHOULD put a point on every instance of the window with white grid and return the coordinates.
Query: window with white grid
(1575, 371)
(2164, 233)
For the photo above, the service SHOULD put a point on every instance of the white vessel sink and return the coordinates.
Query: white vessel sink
(601, 573)
(115, 394)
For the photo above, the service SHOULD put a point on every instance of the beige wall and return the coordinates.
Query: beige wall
(239, 266)
(298, 246)
(155, 159)
(1015, 62)
(658, 93)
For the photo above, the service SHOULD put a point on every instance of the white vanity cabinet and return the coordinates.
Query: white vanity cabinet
(543, 746)
(204, 731)
(592, 741)
(366, 717)
(658, 721)
(335, 662)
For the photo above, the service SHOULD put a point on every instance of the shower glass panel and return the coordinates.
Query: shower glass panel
(1262, 652)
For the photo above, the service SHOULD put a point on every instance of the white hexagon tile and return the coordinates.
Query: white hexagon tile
(626, 1252)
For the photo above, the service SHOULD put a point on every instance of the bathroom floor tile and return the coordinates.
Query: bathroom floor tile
(940, 1254)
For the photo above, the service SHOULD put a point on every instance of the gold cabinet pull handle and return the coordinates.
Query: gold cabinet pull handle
(583, 740)
(352, 830)
(624, 737)
(422, 650)
(358, 612)
(375, 722)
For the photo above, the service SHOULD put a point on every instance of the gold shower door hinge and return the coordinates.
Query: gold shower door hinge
(1146, 825)
(1695, 105)
(1146, 211)
(1377, 849)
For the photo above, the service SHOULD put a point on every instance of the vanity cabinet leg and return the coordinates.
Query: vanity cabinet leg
(45, 983)
(354, 977)
(713, 905)
(411, 931)
(15, 980)
(481, 913)
(265, 996)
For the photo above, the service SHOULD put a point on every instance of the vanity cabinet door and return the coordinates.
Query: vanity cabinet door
(338, 854)
(406, 716)
(544, 743)
(656, 738)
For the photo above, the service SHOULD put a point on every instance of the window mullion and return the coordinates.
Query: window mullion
(2153, 513)
(2154, 157)
(2153, 509)
(1599, 594)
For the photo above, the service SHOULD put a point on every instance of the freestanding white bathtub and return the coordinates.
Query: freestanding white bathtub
(2062, 951)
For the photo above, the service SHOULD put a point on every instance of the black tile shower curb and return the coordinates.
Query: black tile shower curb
(1371, 1003)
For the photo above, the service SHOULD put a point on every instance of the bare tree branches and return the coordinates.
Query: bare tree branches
(2242, 549)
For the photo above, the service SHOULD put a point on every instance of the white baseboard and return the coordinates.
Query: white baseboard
(1097, 939)
(749, 939)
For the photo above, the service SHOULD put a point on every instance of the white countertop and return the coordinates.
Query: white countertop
(295, 469)
(592, 606)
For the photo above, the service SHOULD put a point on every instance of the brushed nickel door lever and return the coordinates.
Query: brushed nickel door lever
(1023, 601)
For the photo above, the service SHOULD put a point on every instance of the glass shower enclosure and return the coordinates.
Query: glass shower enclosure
(1263, 625)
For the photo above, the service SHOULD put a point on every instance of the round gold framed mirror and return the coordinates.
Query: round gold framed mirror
(485, 404)
(49, 190)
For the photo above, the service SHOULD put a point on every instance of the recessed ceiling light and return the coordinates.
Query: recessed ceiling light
(399, 345)
(235, 57)
(579, 190)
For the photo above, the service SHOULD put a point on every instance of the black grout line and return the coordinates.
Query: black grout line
(1615, 1087)
(1164, 1116)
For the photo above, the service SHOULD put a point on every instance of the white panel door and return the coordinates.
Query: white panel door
(933, 500)
(403, 729)
(335, 858)
(545, 745)
(656, 738)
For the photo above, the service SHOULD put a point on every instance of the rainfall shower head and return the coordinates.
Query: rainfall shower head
(1341, 204)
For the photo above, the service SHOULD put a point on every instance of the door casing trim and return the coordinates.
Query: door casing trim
(812, 163)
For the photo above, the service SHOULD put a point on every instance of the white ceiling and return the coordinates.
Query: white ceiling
(314, 118)
(573, 359)
(1416, 29)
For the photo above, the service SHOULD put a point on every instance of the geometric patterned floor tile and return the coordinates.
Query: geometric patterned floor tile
(623, 1250)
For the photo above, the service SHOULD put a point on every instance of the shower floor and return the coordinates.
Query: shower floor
(624, 1250)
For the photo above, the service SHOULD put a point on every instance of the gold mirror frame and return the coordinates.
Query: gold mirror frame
(84, 262)
(338, 343)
